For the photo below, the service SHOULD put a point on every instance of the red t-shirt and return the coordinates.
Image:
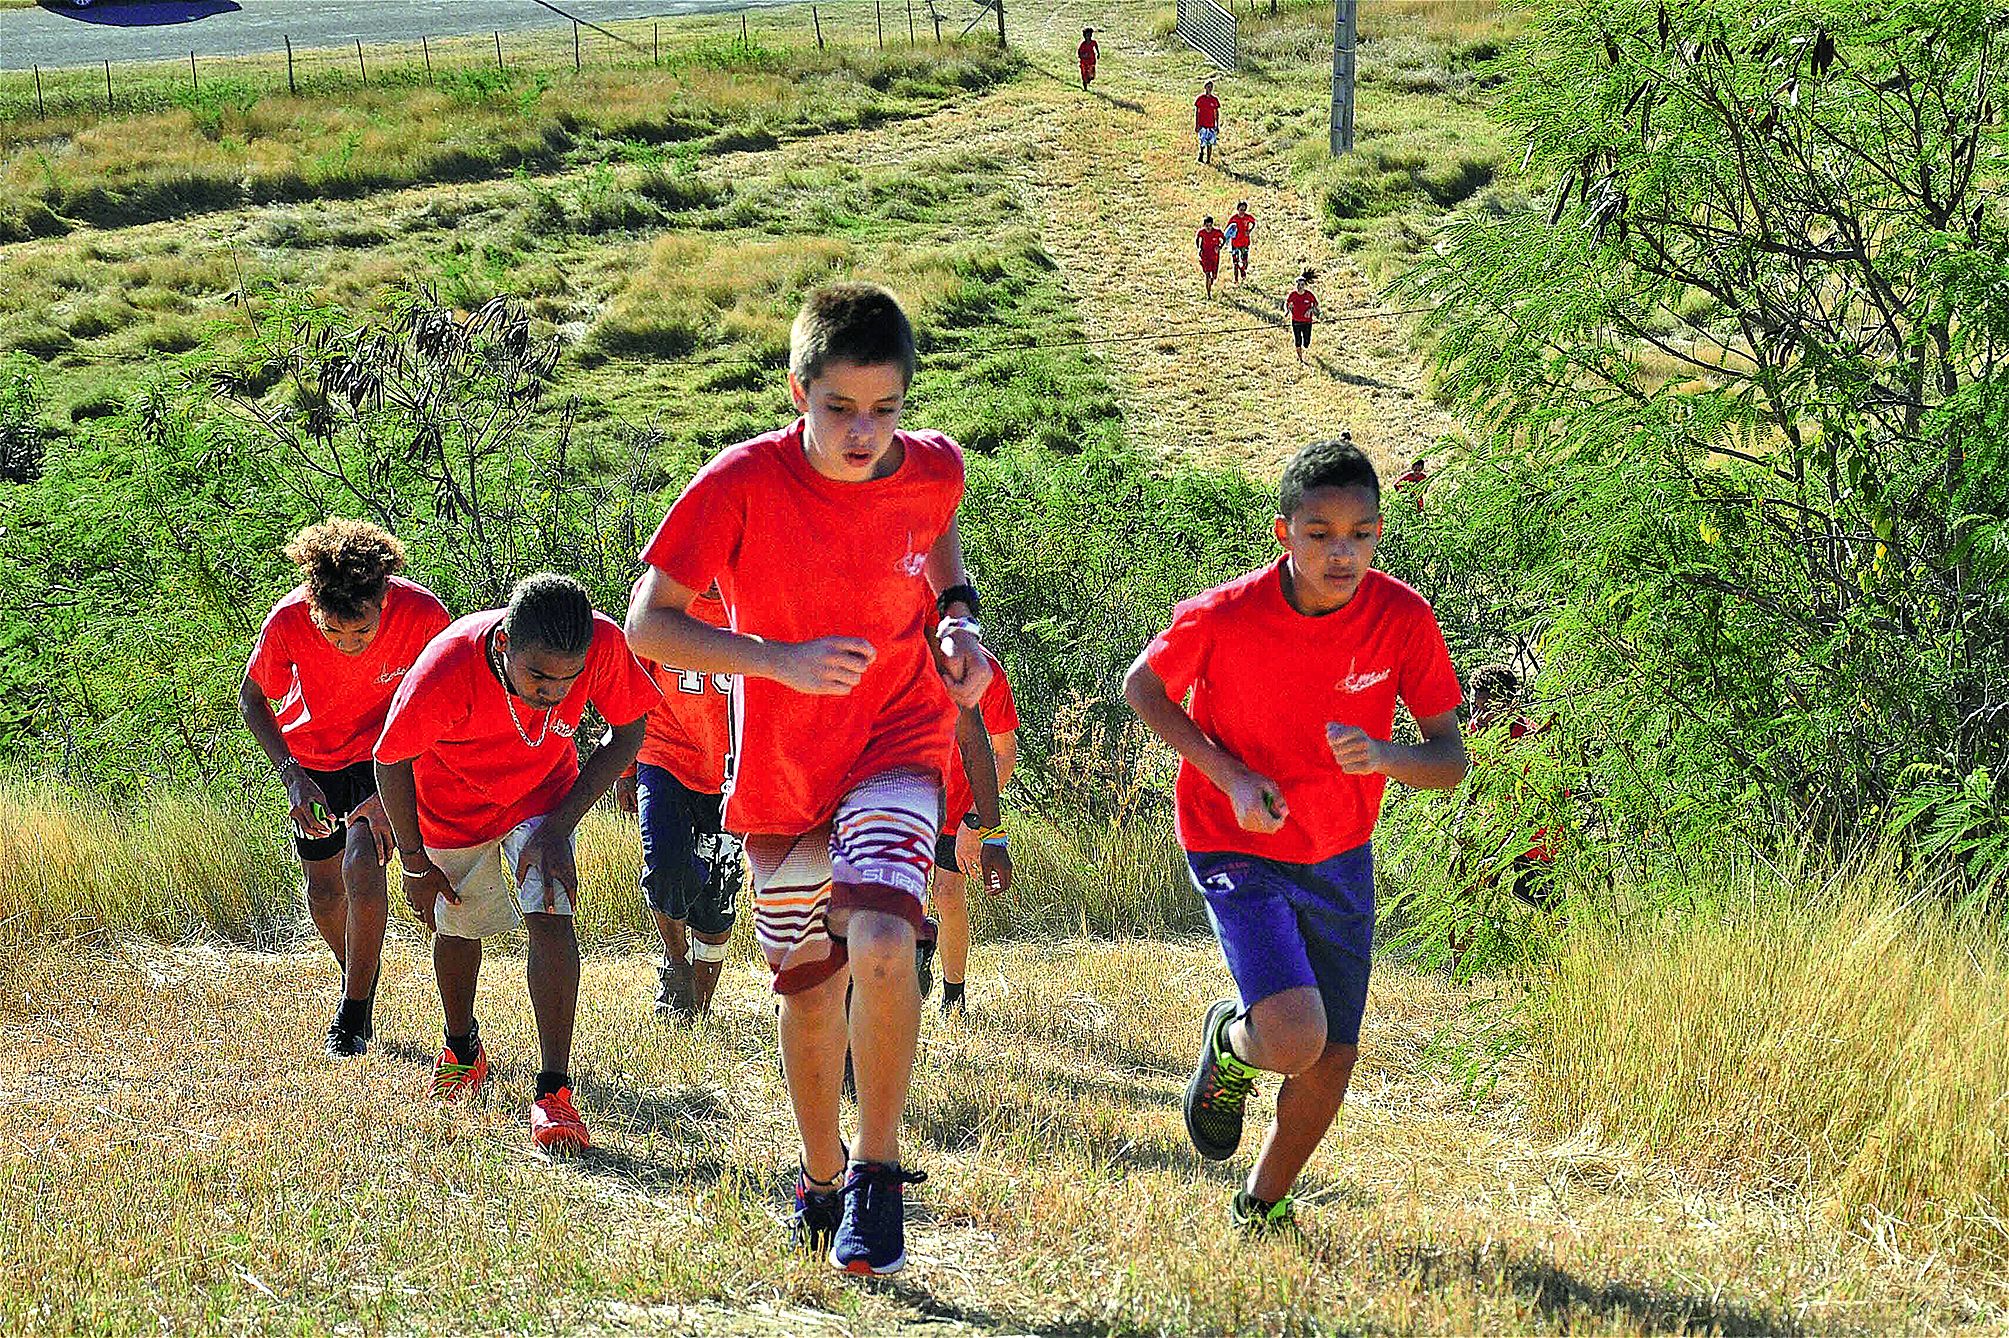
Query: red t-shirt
(799, 556)
(476, 776)
(1302, 303)
(1000, 712)
(1206, 111)
(1267, 679)
(1240, 228)
(1210, 240)
(1088, 51)
(690, 731)
(331, 706)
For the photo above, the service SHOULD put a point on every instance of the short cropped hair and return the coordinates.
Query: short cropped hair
(859, 323)
(1496, 683)
(1325, 464)
(346, 565)
(551, 611)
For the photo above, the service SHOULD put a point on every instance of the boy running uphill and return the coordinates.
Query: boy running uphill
(1294, 671)
(834, 543)
(1209, 239)
(1089, 52)
(484, 789)
(330, 655)
(1302, 304)
(690, 866)
(1241, 232)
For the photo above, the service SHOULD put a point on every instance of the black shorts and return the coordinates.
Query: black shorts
(1301, 334)
(945, 853)
(691, 870)
(1534, 882)
(347, 790)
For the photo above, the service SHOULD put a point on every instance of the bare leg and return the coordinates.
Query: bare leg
(704, 975)
(676, 939)
(553, 975)
(952, 914)
(885, 1025)
(1306, 1107)
(368, 910)
(325, 898)
(456, 964)
(812, 1055)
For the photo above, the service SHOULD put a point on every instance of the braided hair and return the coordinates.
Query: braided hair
(346, 565)
(551, 611)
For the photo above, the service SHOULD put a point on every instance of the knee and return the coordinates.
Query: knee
(549, 931)
(324, 889)
(879, 943)
(950, 893)
(1289, 1035)
(361, 874)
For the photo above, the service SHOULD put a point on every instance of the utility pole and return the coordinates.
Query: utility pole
(1343, 36)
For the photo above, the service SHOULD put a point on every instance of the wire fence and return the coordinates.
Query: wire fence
(110, 87)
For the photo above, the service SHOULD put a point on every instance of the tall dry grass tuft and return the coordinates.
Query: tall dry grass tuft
(1818, 1037)
(71, 868)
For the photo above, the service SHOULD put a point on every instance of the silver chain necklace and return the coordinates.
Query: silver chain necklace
(509, 699)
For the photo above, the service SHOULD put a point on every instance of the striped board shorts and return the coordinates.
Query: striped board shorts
(875, 854)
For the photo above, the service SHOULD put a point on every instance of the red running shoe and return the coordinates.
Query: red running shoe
(554, 1124)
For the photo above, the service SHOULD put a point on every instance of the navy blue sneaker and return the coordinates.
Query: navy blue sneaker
(872, 1238)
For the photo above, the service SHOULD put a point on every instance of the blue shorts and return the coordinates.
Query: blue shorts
(690, 869)
(1286, 926)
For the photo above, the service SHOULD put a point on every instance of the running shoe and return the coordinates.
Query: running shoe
(453, 1080)
(555, 1125)
(1219, 1089)
(818, 1213)
(1251, 1215)
(924, 954)
(872, 1238)
(344, 1043)
(675, 997)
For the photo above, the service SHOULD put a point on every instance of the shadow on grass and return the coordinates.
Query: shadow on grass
(1125, 103)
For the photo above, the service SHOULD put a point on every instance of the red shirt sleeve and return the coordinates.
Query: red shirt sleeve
(271, 666)
(623, 688)
(999, 708)
(699, 536)
(432, 700)
(1428, 683)
(1178, 653)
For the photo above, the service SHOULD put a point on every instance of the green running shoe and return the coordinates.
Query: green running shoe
(1219, 1089)
(1251, 1215)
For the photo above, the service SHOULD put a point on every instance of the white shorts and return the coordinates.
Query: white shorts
(875, 854)
(491, 900)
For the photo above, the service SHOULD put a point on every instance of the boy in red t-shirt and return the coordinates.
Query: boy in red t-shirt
(1209, 239)
(1294, 671)
(690, 863)
(1241, 232)
(330, 655)
(1089, 52)
(1302, 305)
(484, 790)
(1207, 120)
(854, 633)
(973, 836)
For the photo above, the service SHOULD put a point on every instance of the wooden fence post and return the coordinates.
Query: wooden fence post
(815, 19)
(194, 82)
(879, 21)
(359, 61)
(498, 51)
(41, 108)
(1001, 32)
(659, 44)
(291, 86)
(425, 48)
(744, 44)
(108, 88)
(576, 67)
(910, 22)
(936, 15)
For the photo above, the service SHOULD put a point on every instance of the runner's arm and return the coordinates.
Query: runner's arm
(661, 628)
(1259, 802)
(602, 769)
(303, 796)
(1005, 748)
(965, 669)
(1437, 763)
(980, 764)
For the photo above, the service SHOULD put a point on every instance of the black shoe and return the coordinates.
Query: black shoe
(818, 1213)
(1219, 1089)
(346, 1043)
(924, 956)
(675, 996)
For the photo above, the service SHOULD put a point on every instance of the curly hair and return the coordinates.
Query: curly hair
(346, 564)
(1496, 683)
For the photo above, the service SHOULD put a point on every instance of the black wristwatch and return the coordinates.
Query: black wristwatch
(959, 594)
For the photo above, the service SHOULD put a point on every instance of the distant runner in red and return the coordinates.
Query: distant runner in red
(484, 789)
(1302, 304)
(1210, 240)
(1241, 231)
(1411, 483)
(329, 656)
(1207, 120)
(1089, 51)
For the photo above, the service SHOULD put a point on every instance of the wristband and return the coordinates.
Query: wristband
(412, 870)
(959, 594)
(959, 624)
(997, 838)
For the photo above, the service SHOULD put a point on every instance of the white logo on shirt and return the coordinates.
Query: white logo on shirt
(1358, 682)
(563, 730)
(914, 562)
(391, 675)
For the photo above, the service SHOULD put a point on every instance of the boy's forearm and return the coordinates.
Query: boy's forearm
(597, 777)
(671, 636)
(1434, 764)
(973, 745)
(264, 726)
(1146, 694)
(400, 794)
(945, 569)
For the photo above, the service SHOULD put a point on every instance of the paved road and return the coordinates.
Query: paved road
(56, 34)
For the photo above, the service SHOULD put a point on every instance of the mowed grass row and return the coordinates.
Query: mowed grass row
(233, 143)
